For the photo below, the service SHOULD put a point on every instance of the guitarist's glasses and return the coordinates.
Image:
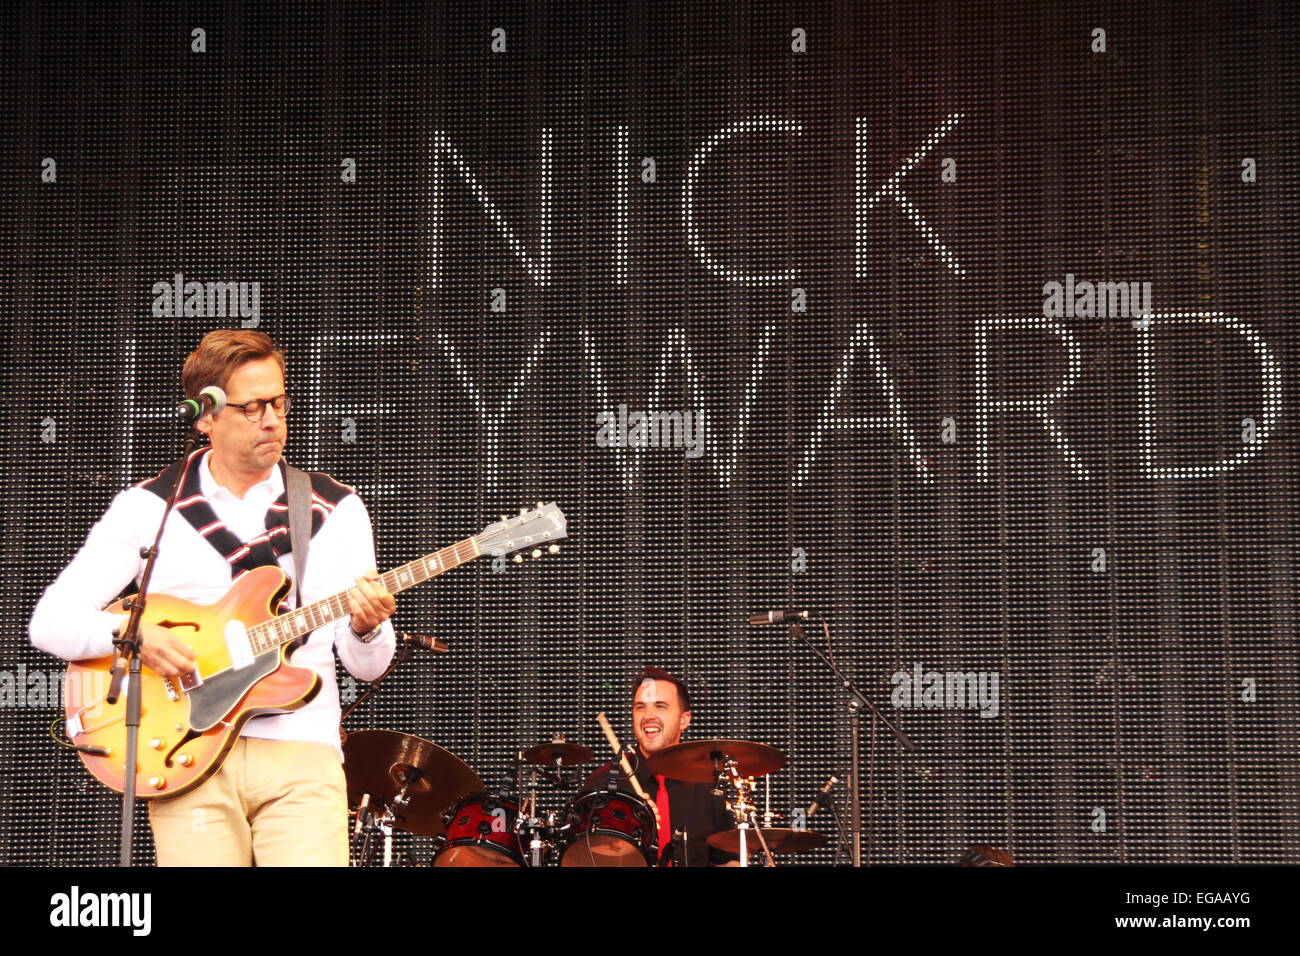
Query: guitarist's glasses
(254, 408)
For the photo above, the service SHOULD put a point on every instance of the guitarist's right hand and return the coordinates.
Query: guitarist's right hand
(162, 653)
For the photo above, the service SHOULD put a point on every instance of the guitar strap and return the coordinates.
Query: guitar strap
(298, 488)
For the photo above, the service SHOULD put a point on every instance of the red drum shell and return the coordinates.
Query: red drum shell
(480, 831)
(609, 829)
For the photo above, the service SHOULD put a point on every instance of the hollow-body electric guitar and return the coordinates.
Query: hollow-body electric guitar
(188, 725)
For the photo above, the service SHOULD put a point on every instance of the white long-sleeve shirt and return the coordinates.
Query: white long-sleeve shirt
(69, 620)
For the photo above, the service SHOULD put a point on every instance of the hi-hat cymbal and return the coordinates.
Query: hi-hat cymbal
(698, 761)
(569, 755)
(380, 762)
(779, 840)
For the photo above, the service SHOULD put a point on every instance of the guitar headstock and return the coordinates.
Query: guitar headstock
(535, 530)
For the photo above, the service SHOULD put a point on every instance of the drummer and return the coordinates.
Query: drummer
(688, 812)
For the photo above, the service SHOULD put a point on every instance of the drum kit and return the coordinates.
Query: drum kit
(400, 782)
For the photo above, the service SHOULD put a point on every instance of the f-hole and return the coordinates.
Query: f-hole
(189, 735)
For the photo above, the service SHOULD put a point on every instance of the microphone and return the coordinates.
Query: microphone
(423, 641)
(361, 814)
(822, 796)
(784, 617)
(211, 399)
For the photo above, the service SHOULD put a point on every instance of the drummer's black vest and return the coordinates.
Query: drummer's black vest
(262, 549)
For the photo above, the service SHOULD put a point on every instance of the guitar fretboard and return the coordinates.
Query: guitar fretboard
(291, 626)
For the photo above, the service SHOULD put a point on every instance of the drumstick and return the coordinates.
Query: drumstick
(627, 766)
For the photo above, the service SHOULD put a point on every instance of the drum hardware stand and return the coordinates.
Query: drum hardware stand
(611, 783)
(385, 822)
(368, 825)
(367, 822)
(855, 704)
(532, 828)
(384, 825)
(741, 805)
(528, 826)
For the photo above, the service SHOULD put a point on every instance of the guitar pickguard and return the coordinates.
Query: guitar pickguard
(219, 693)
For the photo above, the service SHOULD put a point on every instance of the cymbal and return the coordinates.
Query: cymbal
(569, 755)
(693, 762)
(779, 840)
(985, 856)
(379, 762)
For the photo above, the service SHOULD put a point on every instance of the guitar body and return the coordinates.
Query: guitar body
(188, 726)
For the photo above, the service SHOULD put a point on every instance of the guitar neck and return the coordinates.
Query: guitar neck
(304, 620)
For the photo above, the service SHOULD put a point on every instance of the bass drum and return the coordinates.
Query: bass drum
(480, 831)
(608, 829)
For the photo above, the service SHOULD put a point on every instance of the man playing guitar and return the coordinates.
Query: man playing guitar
(279, 798)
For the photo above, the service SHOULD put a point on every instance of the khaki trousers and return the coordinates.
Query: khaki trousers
(272, 803)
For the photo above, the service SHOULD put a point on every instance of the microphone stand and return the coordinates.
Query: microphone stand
(840, 841)
(855, 704)
(127, 653)
(400, 656)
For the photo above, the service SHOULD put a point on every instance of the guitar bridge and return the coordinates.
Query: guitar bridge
(171, 690)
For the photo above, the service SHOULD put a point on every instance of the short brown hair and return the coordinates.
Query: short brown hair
(220, 353)
(654, 673)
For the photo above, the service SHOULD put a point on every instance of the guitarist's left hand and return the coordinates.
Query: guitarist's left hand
(370, 603)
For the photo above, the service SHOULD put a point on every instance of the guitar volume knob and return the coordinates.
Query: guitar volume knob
(158, 783)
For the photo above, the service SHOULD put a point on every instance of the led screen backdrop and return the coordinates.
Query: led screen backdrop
(968, 324)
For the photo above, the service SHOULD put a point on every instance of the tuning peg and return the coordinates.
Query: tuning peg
(519, 559)
(554, 549)
(539, 506)
(537, 552)
(505, 517)
(522, 512)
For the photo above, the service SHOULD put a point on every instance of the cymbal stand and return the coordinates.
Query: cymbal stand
(385, 825)
(741, 806)
(381, 824)
(386, 822)
(527, 823)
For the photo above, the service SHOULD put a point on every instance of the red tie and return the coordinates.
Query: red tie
(665, 825)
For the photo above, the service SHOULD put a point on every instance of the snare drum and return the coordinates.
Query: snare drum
(480, 832)
(608, 829)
